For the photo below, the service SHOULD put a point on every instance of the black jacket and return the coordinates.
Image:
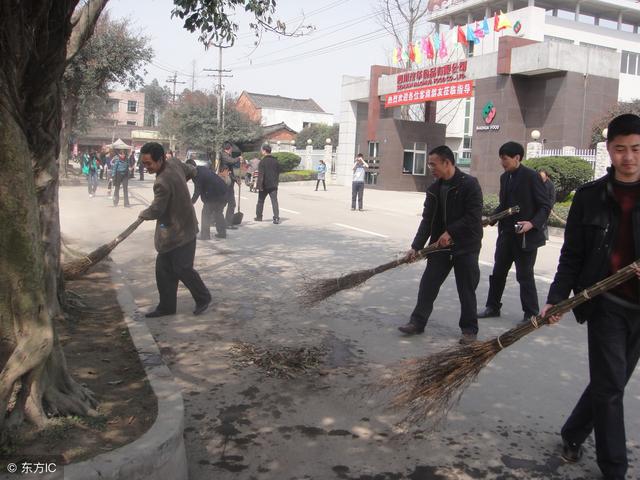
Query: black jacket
(532, 198)
(208, 185)
(268, 173)
(462, 215)
(589, 237)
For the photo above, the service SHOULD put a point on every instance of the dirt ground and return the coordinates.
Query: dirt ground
(100, 354)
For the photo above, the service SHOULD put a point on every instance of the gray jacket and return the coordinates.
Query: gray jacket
(176, 222)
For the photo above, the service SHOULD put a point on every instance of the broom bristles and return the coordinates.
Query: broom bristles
(76, 268)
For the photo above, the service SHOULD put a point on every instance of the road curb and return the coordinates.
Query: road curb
(159, 454)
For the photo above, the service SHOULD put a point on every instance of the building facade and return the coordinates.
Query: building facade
(126, 108)
(295, 113)
(558, 69)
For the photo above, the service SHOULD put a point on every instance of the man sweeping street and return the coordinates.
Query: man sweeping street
(602, 236)
(452, 217)
(176, 230)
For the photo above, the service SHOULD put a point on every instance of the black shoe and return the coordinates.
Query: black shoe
(201, 308)
(467, 338)
(489, 313)
(411, 329)
(218, 236)
(571, 452)
(276, 221)
(258, 219)
(525, 319)
(353, 209)
(157, 313)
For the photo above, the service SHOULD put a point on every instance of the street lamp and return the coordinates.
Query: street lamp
(535, 135)
(605, 132)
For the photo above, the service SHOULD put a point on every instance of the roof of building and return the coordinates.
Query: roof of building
(269, 129)
(284, 103)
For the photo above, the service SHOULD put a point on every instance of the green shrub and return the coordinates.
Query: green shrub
(251, 155)
(566, 173)
(298, 176)
(287, 160)
(489, 204)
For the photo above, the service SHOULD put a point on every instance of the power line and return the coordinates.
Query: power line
(174, 80)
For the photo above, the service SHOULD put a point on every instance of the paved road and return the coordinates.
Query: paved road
(242, 424)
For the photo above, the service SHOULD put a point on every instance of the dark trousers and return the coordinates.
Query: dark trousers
(467, 272)
(141, 172)
(614, 349)
(508, 252)
(357, 190)
(230, 200)
(212, 213)
(324, 185)
(121, 178)
(262, 195)
(174, 266)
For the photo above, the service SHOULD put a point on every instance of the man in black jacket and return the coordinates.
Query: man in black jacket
(452, 217)
(227, 164)
(520, 235)
(213, 190)
(602, 235)
(268, 178)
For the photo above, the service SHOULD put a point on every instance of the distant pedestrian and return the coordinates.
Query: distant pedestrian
(140, 168)
(213, 191)
(227, 162)
(551, 192)
(357, 184)
(322, 170)
(92, 174)
(176, 230)
(120, 175)
(132, 164)
(268, 179)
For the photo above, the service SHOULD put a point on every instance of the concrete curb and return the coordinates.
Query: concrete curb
(160, 453)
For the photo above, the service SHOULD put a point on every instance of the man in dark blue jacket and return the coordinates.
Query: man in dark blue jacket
(212, 189)
(520, 235)
(602, 236)
(452, 217)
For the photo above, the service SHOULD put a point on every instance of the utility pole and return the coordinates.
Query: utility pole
(193, 75)
(174, 80)
(220, 73)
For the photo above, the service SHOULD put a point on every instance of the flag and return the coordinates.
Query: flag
(462, 38)
(503, 22)
(395, 56)
(436, 42)
(485, 26)
(418, 53)
(471, 37)
(423, 45)
(412, 53)
(404, 56)
(443, 47)
(430, 50)
(479, 32)
(496, 20)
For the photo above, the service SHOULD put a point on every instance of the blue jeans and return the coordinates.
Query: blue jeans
(92, 182)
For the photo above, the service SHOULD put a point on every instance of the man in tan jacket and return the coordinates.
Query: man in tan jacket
(176, 230)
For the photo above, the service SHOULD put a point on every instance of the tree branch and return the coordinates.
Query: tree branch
(84, 21)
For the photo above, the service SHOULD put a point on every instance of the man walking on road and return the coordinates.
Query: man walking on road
(357, 184)
(176, 230)
(213, 190)
(227, 162)
(602, 236)
(452, 217)
(120, 175)
(268, 178)
(520, 235)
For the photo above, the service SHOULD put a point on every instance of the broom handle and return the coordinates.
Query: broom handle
(403, 260)
(500, 215)
(596, 289)
(129, 230)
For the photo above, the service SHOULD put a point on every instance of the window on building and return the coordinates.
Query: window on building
(630, 63)
(371, 178)
(414, 160)
(624, 62)
(373, 149)
(132, 106)
(633, 60)
(131, 122)
(306, 124)
(113, 106)
(467, 138)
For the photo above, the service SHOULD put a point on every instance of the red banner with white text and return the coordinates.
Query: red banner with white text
(430, 94)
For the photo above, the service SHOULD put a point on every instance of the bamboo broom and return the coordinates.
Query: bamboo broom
(76, 268)
(428, 387)
(315, 292)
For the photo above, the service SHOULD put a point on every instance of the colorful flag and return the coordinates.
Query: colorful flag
(479, 32)
(496, 20)
(412, 53)
(430, 51)
(395, 56)
(418, 53)
(503, 22)
(443, 47)
(462, 38)
(404, 56)
(471, 37)
(485, 26)
(436, 42)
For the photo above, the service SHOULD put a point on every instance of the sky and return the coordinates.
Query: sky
(347, 40)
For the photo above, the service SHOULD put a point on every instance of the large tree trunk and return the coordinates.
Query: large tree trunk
(34, 382)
